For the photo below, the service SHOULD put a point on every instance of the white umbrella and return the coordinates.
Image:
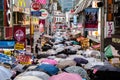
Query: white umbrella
(5, 73)
(38, 74)
(27, 78)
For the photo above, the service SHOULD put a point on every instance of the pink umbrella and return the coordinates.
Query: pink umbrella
(66, 76)
(49, 61)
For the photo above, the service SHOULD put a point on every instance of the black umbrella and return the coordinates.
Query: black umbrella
(80, 60)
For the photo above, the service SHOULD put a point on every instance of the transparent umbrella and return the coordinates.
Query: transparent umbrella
(39, 74)
(5, 73)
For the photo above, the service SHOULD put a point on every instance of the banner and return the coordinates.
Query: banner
(41, 1)
(7, 44)
(91, 19)
(19, 34)
(109, 29)
(24, 59)
(110, 10)
(22, 3)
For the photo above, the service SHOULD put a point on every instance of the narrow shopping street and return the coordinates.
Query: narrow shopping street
(59, 39)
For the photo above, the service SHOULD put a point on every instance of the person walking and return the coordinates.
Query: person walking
(37, 49)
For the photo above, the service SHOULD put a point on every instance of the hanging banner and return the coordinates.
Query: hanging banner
(41, 1)
(8, 32)
(109, 29)
(110, 10)
(91, 19)
(7, 13)
(24, 59)
(19, 33)
(19, 46)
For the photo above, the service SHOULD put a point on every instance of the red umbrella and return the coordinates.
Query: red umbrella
(66, 76)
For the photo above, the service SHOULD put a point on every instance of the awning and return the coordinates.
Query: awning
(82, 5)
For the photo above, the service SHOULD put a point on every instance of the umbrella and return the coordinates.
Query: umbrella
(61, 55)
(80, 60)
(66, 63)
(106, 68)
(51, 51)
(32, 67)
(5, 73)
(78, 70)
(28, 78)
(49, 61)
(18, 67)
(110, 52)
(91, 64)
(66, 76)
(75, 43)
(39, 74)
(48, 68)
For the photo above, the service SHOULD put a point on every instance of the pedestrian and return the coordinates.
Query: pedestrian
(36, 49)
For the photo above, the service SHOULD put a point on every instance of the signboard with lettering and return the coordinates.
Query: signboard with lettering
(7, 13)
(44, 14)
(109, 29)
(110, 10)
(19, 46)
(35, 13)
(19, 34)
(116, 41)
(24, 59)
(36, 6)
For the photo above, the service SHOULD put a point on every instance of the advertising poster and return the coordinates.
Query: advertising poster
(24, 59)
(91, 19)
(19, 34)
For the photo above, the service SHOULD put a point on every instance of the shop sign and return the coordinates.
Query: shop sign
(24, 59)
(44, 14)
(7, 44)
(19, 46)
(19, 34)
(8, 13)
(91, 19)
(116, 39)
(36, 13)
(109, 29)
(36, 6)
(8, 32)
(110, 10)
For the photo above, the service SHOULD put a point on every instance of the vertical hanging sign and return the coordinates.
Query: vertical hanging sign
(109, 29)
(110, 10)
(7, 11)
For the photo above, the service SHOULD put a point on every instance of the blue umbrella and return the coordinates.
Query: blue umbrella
(48, 68)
